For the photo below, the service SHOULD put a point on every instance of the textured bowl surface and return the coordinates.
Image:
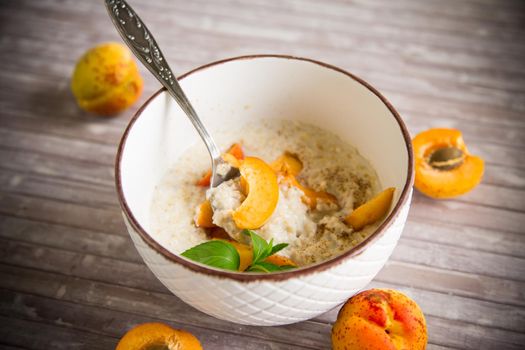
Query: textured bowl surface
(249, 88)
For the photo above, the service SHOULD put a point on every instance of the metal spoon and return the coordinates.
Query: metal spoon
(145, 48)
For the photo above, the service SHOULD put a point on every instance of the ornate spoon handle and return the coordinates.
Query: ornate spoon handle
(144, 46)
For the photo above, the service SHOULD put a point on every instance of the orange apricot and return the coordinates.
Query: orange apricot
(444, 166)
(158, 336)
(236, 151)
(311, 197)
(245, 253)
(380, 319)
(280, 260)
(262, 194)
(106, 79)
(204, 216)
(372, 210)
(287, 164)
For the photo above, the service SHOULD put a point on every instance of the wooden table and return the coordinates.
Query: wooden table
(70, 276)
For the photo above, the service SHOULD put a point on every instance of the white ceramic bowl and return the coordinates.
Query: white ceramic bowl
(272, 87)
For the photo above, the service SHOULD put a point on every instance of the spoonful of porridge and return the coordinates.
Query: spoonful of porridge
(143, 45)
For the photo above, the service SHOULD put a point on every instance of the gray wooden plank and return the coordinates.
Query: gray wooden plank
(68, 238)
(156, 305)
(53, 211)
(102, 322)
(43, 336)
(31, 184)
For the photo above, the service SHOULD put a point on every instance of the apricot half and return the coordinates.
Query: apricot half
(262, 194)
(106, 79)
(380, 319)
(149, 336)
(311, 197)
(372, 210)
(444, 167)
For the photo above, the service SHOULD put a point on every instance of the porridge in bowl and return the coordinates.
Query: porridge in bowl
(299, 188)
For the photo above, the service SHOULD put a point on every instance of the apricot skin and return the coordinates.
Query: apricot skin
(442, 184)
(106, 80)
(380, 319)
(148, 335)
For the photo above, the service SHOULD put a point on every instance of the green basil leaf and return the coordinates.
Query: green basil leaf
(287, 267)
(278, 247)
(259, 246)
(215, 253)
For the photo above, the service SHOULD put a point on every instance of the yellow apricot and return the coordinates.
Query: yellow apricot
(262, 194)
(106, 79)
(371, 211)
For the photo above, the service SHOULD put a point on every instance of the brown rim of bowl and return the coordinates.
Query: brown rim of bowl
(276, 276)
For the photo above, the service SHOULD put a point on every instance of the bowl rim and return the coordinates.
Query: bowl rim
(276, 276)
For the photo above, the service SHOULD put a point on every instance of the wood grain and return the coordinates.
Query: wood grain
(70, 277)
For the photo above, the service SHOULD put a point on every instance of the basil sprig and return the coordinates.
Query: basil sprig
(262, 250)
(221, 254)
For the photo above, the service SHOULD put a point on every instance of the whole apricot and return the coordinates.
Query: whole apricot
(106, 79)
(380, 319)
(157, 336)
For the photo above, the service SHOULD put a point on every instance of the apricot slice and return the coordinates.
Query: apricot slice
(245, 254)
(371, 211)
(261, 197)
(204, 216)
(149, 336)
(380, 319)
(280, 260)
(236, 151)
(246, 257)
(311, 197)
(444, 167)
(287, 164)
(106, 79)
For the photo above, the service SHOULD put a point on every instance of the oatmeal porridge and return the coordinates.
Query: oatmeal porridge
(311, 202)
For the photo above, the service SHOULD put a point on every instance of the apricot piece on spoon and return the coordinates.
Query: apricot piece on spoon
(371, 211)
(106, 79)
(444, 166)
(380, 319)
(262, 194)
(148, 336)
(236, 151)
